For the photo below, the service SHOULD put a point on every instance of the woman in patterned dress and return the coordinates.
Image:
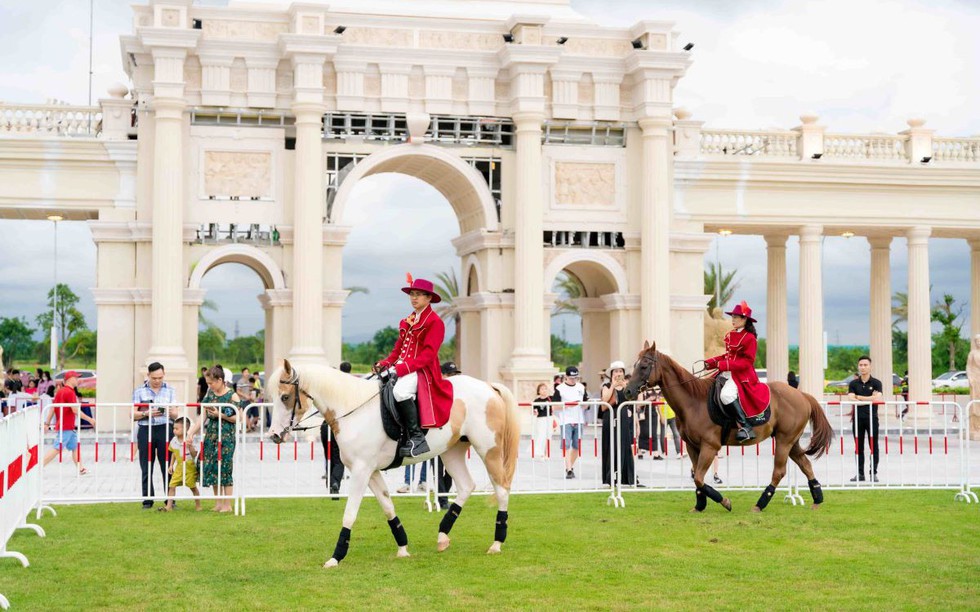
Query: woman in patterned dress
(219, 425)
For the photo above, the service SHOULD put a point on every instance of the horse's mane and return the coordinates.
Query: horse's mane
(699, 387)
(336, 389)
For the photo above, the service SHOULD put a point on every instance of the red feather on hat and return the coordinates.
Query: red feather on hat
(745, 306)
(409, 279)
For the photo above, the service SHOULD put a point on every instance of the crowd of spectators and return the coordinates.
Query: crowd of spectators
(23, 388)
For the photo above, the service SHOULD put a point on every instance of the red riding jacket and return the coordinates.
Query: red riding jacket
(739, 360)
(417, 350)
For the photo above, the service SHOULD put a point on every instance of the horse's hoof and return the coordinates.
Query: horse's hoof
(756, 509)
(494, 549)
(726, 504)
(403, 553)
(331, 563)
(815, 506)
(695, 511)
(442, 542)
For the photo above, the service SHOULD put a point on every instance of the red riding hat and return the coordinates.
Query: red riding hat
(420, 284)
(742, 310)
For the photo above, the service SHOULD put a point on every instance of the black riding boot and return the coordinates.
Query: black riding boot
(745, 433)
(416, 444)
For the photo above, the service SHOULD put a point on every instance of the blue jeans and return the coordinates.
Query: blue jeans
(409, 470)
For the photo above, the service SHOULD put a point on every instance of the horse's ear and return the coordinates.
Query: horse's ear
(653, 346)
(646, 344)
(288, 368)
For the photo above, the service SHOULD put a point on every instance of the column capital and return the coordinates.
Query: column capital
(776, 241)
(528, 120)
(273, 298)
(811, 233)
(194, 297)
(918, 235)
(655, 126)
(880, 242)
(973, 242)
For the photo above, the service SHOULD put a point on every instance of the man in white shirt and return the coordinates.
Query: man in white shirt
(570, 417)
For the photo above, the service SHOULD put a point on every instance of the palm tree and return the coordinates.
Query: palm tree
(569, 288)
(728, 285)
(202, 320)
(447, 286)
(358, 289)
(900, 309)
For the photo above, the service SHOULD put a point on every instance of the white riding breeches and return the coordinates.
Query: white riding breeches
(406, 387)
(729, 392)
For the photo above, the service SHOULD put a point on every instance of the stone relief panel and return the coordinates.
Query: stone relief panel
(249, 30)
(170, 18)
(585, 185)
(463, 41)
(597, 47)
(586, 90)
(379, 37)
(310, 25)
(242, 174)
(239, 76)
(192, 73)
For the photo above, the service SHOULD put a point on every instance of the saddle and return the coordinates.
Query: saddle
(721, 416)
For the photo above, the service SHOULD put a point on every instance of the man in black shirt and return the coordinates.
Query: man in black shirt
(864, 417)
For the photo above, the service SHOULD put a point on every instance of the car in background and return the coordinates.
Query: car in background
(87, 379)
(843, 384)
(953, 378)
(761, 373)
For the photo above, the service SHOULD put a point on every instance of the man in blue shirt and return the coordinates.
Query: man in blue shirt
(152, 427)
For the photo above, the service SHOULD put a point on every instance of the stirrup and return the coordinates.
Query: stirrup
(745, 434)
(414, 449)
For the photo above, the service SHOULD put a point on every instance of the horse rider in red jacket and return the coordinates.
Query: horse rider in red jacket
(739, 362)
(415, 361)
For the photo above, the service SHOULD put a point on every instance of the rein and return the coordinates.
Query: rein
(293, 423)
(699, 375)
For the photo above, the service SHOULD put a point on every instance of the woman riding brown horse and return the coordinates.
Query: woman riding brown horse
(688, 396)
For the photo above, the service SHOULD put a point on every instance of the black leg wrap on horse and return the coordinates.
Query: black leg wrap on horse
(500, 532)
(398, 530)
(702, 501)
(766, 497)
(343, 543)
(713, 495)
(815, 491)
(450, 518)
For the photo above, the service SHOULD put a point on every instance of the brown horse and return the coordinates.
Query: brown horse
(688, 397)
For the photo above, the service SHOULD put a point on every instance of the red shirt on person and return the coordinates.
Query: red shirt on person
(65, 414)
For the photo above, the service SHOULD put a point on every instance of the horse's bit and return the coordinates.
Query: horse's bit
(293, 423)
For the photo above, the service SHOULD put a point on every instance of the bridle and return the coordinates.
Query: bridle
(294, 423)
(653, 363)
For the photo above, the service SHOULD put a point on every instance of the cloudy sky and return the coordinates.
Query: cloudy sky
(862, 66)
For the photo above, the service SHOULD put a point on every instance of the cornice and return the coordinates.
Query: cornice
(472, 242)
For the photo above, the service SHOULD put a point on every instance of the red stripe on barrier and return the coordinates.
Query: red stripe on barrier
(930, 445)
(945, 445)
(901, 444)
(757, 449)
(14, 471)
(871, 444)
(96, 451)
(469, 452)
(132, 452)
(278, 452)
(311, 451)
(532, 448)
(886, 445)
(563, 447)
(855, 446)
(682, 447)
(295, 450)
(219, 446)
(916, 445)
(773, 446)
(113, 452)
(595, 447)
(547, 447)
(842, 445)
(261, 450)
(3, 483)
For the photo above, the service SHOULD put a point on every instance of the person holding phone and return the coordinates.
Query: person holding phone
(153, 428)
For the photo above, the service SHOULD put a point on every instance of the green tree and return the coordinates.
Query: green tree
(202, 319)
(16, 338)
(569, 288)
(210, 344)
(68, 320)
(244, 350)
(728, 284)
(358, 289)
(82, 346)
(900, 309)
(565, 354)
(447, 286)
(384, 340)
(947, 314)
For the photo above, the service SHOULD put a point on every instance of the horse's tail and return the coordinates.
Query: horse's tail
(822, 432)
(511, 434)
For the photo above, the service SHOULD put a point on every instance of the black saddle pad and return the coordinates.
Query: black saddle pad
(722, 417)
(390, 419)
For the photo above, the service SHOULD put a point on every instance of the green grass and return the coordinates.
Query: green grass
(868, 550)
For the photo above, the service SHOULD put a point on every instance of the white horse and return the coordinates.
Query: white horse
(483, 415)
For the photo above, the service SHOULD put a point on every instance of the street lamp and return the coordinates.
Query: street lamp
(722, 233)
(54, 312)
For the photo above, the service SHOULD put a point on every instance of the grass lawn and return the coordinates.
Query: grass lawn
(868, 550)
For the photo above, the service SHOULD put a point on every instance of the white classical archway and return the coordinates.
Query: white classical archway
(254, 258)
(464, 187)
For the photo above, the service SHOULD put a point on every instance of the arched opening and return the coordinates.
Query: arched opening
(232, 329)
(583, 321)
(405, 205)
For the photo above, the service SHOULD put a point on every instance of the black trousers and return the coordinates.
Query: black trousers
(152, 449)
(332, 453)
(862, 425)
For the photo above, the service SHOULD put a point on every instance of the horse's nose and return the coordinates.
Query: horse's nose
(276, 439)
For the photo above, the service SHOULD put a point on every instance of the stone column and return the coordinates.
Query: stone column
(167, 283)
(529, 288)
(777, 336)
(974, 287)
(881, 312)
(919, 318)
(811, 311)
(655, 210)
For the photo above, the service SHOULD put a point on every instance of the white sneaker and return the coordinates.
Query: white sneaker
(403, 489)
